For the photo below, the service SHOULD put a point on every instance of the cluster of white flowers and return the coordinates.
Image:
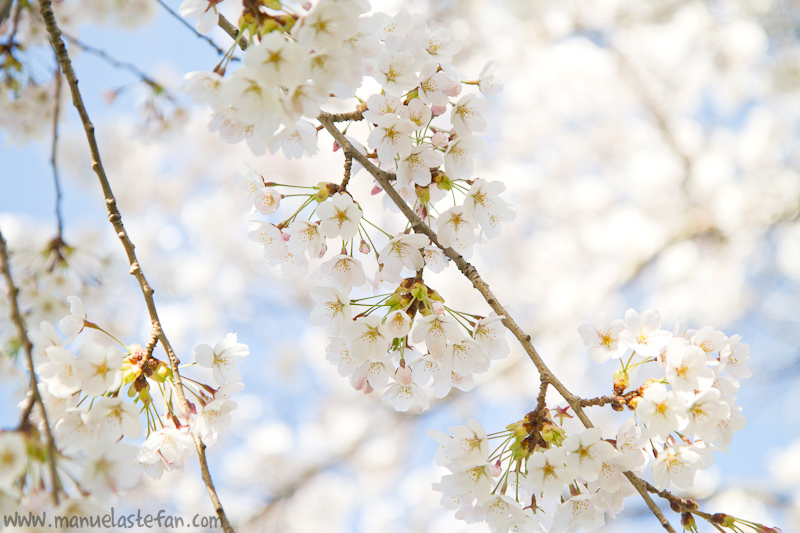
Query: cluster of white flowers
(688, 409)
(566, 480)
(90, 412)
(406, 337)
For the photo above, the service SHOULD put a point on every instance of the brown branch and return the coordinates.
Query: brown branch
(219, 50)
(355, 116)
(384, 180)
(115, 218)
(348, 167)
(36, 398)
(130, 67)
(233, 31)
(212, 493)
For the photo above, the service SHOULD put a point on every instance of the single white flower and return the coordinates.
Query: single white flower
(677, 464)
(75, 431)
(586, 453)
(212, 420)
(344, 272)
(223, 358)
(578, 513)
(391, 138)
(404, 393)
(382, 104)
(332, 310)
(436, 331)
(368, 338)
(686, 367)
(602, 337)
(398, 323)
(42, 339)
(110, 467)
(267, 200)
(456, 228)
(169, 446)
(403, 251)
(662, 411)
(72, 324)
(643, 333)
(339, 216)
(305, 236)
(416, 167)
(490, 333)
(459, 155)
(547, 472)
(99, 369)
(489, 85)
(467, 115)
(705, 412)
(734, 356)
(59, 372)
(465, 445)
(115, 418)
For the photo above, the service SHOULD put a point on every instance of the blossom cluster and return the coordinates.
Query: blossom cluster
(94, 398)
(563, 478)
(404, 338)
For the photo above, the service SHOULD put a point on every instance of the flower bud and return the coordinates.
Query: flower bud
(621, 382)
(687, 521)
(553, 434)
(437, 110)
(454, 89)
(440, 139)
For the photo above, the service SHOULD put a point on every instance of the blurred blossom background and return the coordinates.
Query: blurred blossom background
(649, 149)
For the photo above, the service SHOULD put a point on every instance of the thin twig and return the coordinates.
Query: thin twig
(130, 67)
(384, 179)
(35, 398)
(219, 50)
(56, 180)
(115, 218)
(232, 30)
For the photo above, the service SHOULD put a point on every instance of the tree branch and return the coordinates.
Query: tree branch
(219, 50)
(36, 398)
(384, 179)
(115, 218)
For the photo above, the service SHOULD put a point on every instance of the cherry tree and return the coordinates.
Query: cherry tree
(320, 204)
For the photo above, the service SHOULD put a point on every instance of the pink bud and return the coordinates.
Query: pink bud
(323, 251)
(375, 190)
(403, 375)
(306, 6)
(364, 247)
(439, 139)
(454, 89)
(285, 237)
(437, 110)
(336, 146)
(497, 468)
(438, 308)
(368, 388)
(358, 382)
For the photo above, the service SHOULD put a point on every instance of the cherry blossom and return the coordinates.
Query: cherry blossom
(340, 217)
(73, 323)
(222, 358)
(602, 337)
(99, 369)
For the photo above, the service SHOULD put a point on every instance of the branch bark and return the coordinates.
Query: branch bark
(115, 218)
(384, 179)
(35, 397)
